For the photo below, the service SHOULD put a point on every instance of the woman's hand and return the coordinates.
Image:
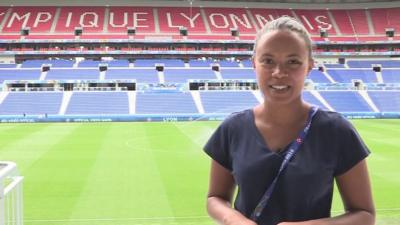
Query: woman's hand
(297, 223)
(239, 220)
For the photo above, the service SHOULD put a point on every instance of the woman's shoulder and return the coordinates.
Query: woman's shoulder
(240, 115)
(332, 120)
(237, 119)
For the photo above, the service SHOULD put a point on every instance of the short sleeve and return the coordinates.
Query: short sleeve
(352, 148)
(217, 146)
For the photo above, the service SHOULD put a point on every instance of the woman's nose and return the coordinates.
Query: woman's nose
(279, 72)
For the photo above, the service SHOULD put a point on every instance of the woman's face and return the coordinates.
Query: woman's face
(281, 63)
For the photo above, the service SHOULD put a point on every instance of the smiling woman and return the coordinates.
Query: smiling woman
(284, 154)
(282, 62)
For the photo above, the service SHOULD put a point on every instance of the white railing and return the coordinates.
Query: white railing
(11, 206)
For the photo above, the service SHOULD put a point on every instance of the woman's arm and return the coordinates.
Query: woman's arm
(219, 199)
(355, 190)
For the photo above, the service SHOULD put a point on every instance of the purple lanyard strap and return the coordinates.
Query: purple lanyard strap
(293, 148)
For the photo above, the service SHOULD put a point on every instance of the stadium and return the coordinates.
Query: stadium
(105, 106)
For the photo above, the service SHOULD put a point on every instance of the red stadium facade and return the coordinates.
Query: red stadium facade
(201, 23)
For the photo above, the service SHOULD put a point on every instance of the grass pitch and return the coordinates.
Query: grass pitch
(149, 173)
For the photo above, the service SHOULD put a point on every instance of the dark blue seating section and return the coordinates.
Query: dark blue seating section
(112, 63)
(8, 65)
(318, 77)
(98, 103)
(73, 74)
(183, 75)
(225, 63)
(229, 69)
(239, 73)
(54, 63)
(89, 63)
(227, 101)
(165, 103)
(386, 101)
(31, 103)
(118, 63)
(175, 71)
(247, 63)
(346, 101)
(391, 75)
(141, 75)
(369, 63)
(328, 65)
(346, 76)
(40, 103)
(19, 74)
(200, 63)
(310, 98)
(153, 62)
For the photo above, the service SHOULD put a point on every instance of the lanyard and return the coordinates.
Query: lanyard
(293, 148)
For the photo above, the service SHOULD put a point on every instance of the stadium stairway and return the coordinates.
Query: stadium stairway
(197, 101)
(321, 99)
(366, 97)
(328, 76)
(132, 102)
(379, 77)
(161, 77)
(65, 102)
(3, 95)
(369, 21)
(43, 75)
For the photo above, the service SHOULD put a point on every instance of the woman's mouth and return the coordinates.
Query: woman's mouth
(279, 87)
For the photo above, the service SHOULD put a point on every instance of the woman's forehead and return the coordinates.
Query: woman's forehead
(282, 36)
(282, 41)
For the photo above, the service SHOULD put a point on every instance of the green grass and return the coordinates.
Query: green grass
(149, 173)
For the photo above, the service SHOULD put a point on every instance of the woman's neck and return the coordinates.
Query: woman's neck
(284, 114)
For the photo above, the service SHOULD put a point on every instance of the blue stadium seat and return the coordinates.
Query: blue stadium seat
(345, 75)
(346, 101)
(386, 101)
(368, 63)
(310, 98)
(153, 62)
(391, 76)
(140, 75)
(7, 65)
(89, 63)
(35, 63)
(327, 65)
(19, 74)
(31, 103)
(239, 73)
(200, 63)
(247, 63)
(165, 103)
(318, 77)
(73, 74)
(117, 63)
(98, 103)
(222, 101)
(225, 63)
(182, 75)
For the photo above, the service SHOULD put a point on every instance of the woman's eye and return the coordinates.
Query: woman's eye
(268, 61)
(294, 61)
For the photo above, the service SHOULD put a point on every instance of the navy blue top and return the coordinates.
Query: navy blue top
(305, 188)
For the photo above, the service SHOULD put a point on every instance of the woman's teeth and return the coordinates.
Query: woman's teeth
(279, 87)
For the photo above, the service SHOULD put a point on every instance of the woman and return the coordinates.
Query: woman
(249, 148)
